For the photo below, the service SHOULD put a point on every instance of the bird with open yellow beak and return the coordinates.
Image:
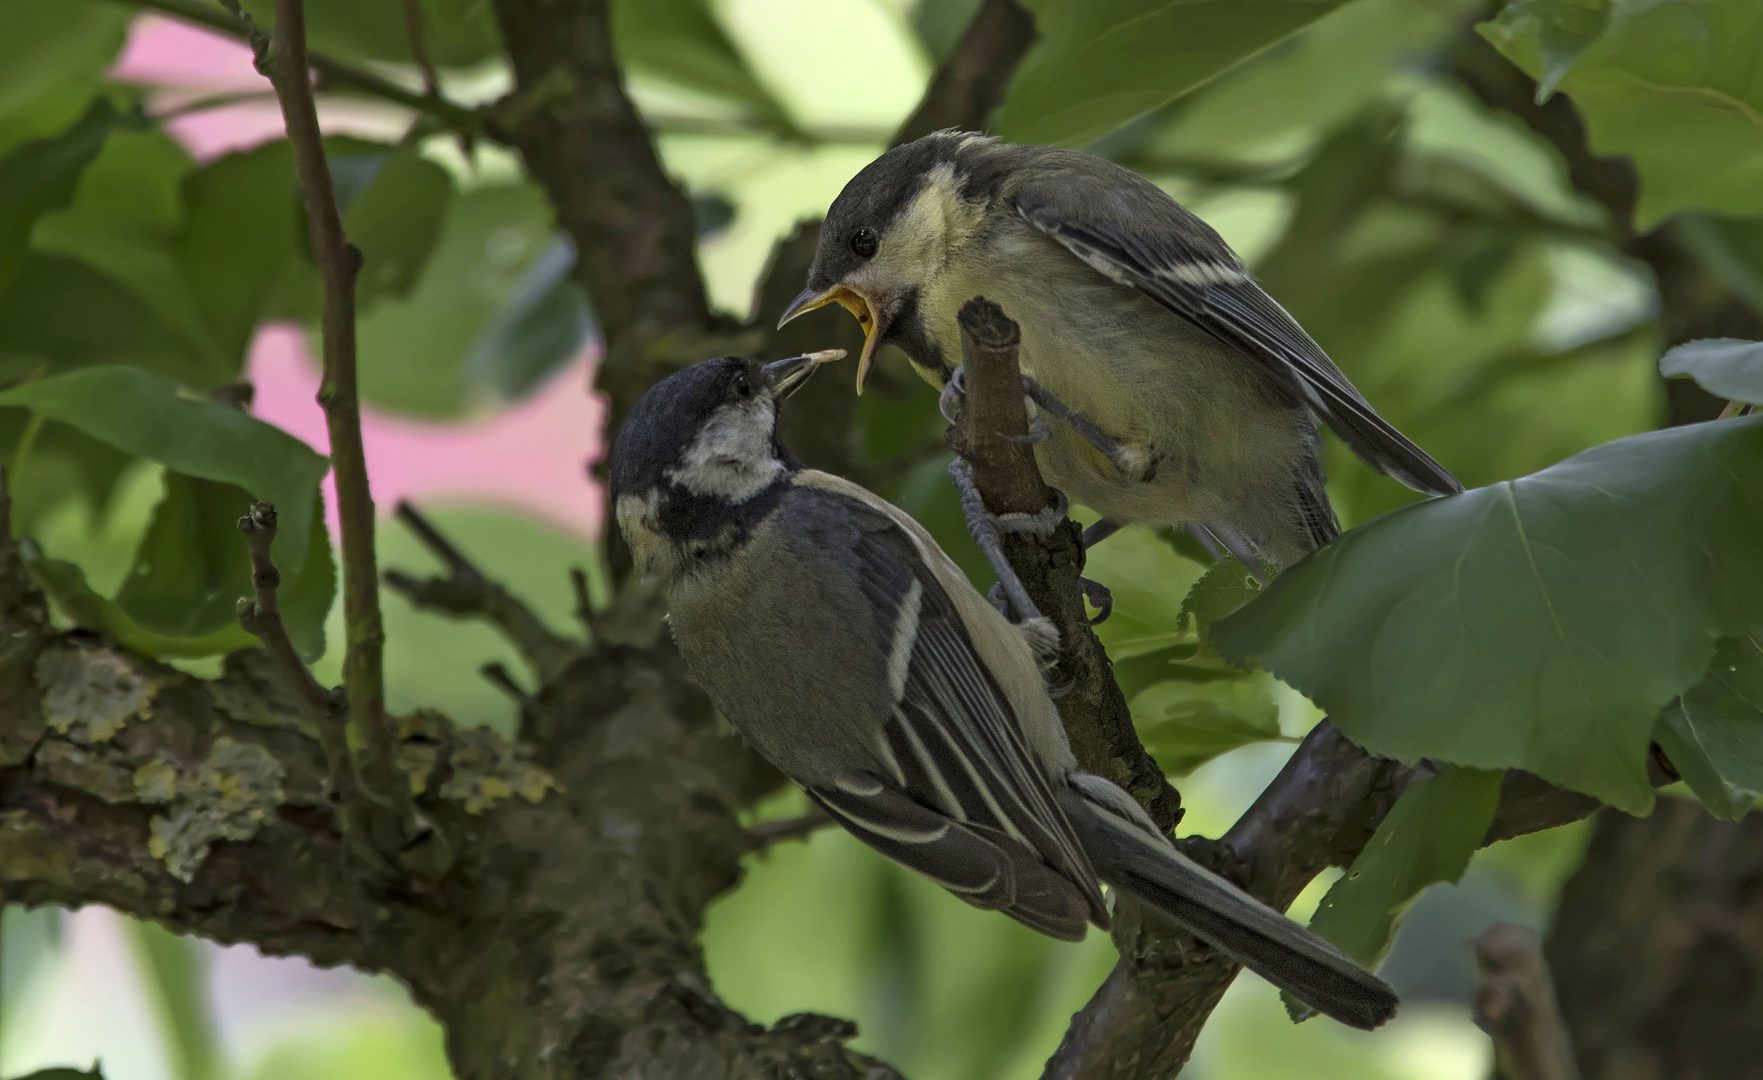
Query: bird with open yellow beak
(1188, 397)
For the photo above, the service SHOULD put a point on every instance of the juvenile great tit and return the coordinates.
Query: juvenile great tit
(849, 650)
(1188, 391)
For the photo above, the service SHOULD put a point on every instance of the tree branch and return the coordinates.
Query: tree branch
(969, 86)
(334, 74)
(466, 591)
(1093, 708)
(284, 62)
(1515, 1004)
(262, 615)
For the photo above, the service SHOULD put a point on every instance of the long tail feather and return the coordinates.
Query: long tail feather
(1129, 854)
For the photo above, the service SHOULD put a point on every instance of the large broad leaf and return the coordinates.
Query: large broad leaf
(1540, 623)
(1672, 85)
(1101, 63)
(682, 41)
(152, 417)
(53, 55)
(543, 322)
(1726, 367)
(1428, 837)
(40, 176)
(1185, 723)
(1271, 106)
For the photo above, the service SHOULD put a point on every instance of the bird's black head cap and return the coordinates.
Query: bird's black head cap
(876, 196)
(656, 442)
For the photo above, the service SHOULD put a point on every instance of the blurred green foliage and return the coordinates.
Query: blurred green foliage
(1556, 620)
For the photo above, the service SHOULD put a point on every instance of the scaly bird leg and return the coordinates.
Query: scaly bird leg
(1130, 464)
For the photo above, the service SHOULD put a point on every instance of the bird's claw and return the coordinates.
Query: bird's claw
(1099, 597)
(954, 393)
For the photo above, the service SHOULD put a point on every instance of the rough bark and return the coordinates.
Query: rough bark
(1657, 947)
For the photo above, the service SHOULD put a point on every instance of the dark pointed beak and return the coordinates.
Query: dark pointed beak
(786, 376)
(854, 302)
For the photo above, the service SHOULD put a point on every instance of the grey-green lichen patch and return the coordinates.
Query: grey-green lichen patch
(487, 768)
(228, 797)
(90, 692)
(253, 690)
(95, 769)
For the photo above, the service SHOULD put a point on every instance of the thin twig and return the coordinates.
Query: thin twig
(284, 62)
(1516, 1005)
(498, 676)
(584, 603)
(802, 827)
(336, 74)
(467, 591)
(419, 50)
(261, 613)
(1050, 567)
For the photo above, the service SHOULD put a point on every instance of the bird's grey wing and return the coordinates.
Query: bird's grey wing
(955, 792)
(1176, 259)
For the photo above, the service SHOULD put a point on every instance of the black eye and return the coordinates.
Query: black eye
(741, 385)
(863, 242)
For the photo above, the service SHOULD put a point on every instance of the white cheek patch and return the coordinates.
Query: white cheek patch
(731, 458)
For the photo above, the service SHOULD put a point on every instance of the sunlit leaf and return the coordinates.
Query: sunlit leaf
(1103, 62)
(1563, 29)
(682, 41)
(1673, 86)
(152, 417)
(1185, 724)
(1541, 623)
(1428, 837)
(1725, 367)
(40, 176)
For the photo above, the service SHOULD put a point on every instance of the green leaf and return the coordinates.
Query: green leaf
(64, 1073)
(1148, 580)
(1714, 733)
(543, 323)
(192, 566)
(125, 213)
(1272, 105)
(1185, 724)
(66, 585)
(1540, 623)
(1224, 588)
(152, 417)
(1428, 837)
(177, 974)
(40, 176)
(413, 349)
(396, 223)
(457, 33)
(1563, 29)
(241, 228)
(53, 56)
(939, 24)
(682, 41)
(1725, 367)
(1104, 62)
(62, 313)
(1673, 86)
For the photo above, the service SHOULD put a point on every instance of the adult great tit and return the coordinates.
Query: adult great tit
(852, 653)
(1189, 392)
